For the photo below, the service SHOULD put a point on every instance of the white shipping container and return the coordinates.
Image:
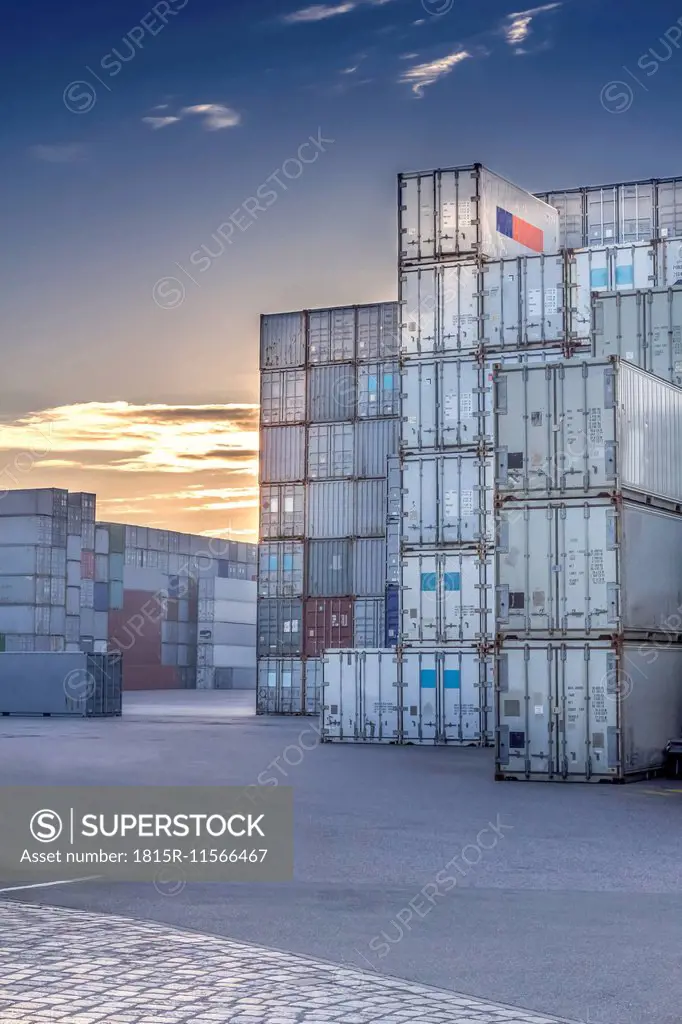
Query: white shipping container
(72, 628)
(20, 560)
(226, 611)
(523, 302)
(579, 429)
(440, 310)
(34, 501)
(228, 589)
(663, 333)
(447, 697)
(471, 211)
(87, 594)
(606, 269)
(597, 568)
(57, 621)
(445, 597)
(101, 568)
(581, 712)
(332, 334)
(101, 626)
(230, 656)
(232, 634)
(443, 405)
(669, 263)
(25, 530)
(443, 500)
(361, 697)
(73, 574)
(280, 685)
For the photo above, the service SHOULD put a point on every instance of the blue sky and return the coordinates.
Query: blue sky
(114, 171)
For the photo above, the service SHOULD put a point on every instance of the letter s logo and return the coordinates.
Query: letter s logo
(46, 826)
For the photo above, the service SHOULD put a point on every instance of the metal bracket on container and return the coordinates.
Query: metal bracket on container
(502, 602)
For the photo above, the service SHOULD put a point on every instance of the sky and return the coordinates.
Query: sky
(133, 131)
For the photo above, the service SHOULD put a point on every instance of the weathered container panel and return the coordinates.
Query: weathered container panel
(282, 510)
(280, 686)
(331, 450)
(280, 627)
(378, 390)
(330, 509)
(282, 396)
(369, 622)
(443, 405)
(282, 454)
(361, 701)
(446, 697)
(444, 498)
(328, 625)
(282, 340)
(369, 568)
(329, 568)
(332, 391)
(375, 442)
(281, 569)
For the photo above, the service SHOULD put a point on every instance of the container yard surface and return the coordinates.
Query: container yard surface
(567, 898)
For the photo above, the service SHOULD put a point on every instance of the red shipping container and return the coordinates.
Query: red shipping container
(328, 624)
(87, 565)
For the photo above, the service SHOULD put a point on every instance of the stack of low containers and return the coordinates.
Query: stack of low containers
(329, 425)
(226, 633)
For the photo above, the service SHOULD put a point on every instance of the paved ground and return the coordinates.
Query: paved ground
(573, 907)
(77, 968)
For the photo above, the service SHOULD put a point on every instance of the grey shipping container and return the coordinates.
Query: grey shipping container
(83, 685)
(282, 454)
(378, 336)
(589, 569)
(280, 686)
(444, 499)
(27, 530)
(331, 450)
(282, 340)
(234, 678)
(34, 502)
(233, 634)
(280, 626)
(470, 212)
(282, 396)
(332, 334)
(577, 712)
(587, 428)
(370, 508)
(443, 405)
(280, 571)
(368, 622)
(329, 568)
(330, 509)
(375, 442)
(369, 568)
(378, 390)
(643, 327)
(332, 391)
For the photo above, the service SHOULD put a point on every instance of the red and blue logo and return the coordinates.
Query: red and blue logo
(520, 230)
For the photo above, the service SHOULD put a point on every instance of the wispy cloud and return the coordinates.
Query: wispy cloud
(67, 153)
(322, 12)
(517, 27)
(215, 116)
(421, 75)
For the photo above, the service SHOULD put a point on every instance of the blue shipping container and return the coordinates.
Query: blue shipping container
(101, 597)
(392, 616)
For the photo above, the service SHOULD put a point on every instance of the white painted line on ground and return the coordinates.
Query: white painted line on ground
(46, 885)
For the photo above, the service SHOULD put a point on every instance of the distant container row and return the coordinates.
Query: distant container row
(344, 334)
(330, 393)
(294, 628)
(329, 568)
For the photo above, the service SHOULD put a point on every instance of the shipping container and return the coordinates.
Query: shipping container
(229, 656)
(231, 634)
(330, 568)
(440, 310)
(375, 442)
(30, 589)
(330, 510)
(280, 626)
(633, 211)
(115, 594)
(378, 335)
(72, 629)
(447, 697)
(101, 568)
(282, 396)
(606, 269)
(392, 620)
(378, 390)
(234, 678)
(25, 503)
(26, 530)
(471, 212)
(26, 559)
(370, 508)
(443, 405)
(78, 685)
(369, 568)
(73, 602)
(282, 458)
(227, 590)
(587, 569)
(393, 534)
(282, 340)
(332, 392)
(25, 618)
(281, 568)
(312, 701)
(361, 697)
(587, 428)
(332, 335)
(445, 597)
(394, 488)
(328, 624)
(280, 686)
(444, 500)
(586, 712)
(369, 622)
(102, 540)
(523, 302)
(226, 611)
(331, 450)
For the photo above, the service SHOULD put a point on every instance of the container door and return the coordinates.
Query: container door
(618, 327)
(419, 408)
(458, 216)
(461, 584)
(588, 273)
(664, 334)
(334, 712)
(420, 696)
(525, 563)
(632, 266)
(379, 695)
(524, 414)
(586, 428)
(459, 497)
(418, 305)
(420, 501)
(462, 678)
(670, 264)
(459, 324)
(589, 739)
(417, 217)
(501, 299)
(420, 615)
(459, 404)
(587, 569)
(542, 300)
(526, 697)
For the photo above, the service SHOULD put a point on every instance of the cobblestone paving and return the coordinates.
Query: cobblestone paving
(77, 968)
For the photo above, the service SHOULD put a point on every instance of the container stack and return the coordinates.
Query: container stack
(226, 636)
(330, 396)
(588, 496)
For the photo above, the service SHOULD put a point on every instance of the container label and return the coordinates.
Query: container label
(534, 302)
(466, 405)
(448, 216)
(539, 710)
(551, 301)
(451, 408)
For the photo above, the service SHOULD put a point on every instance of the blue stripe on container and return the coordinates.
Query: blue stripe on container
(451, 679)
(427, 679)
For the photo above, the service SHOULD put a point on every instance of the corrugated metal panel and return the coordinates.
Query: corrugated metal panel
(328, 624)
(280, 686)
(280, 627)
(25, 559)
(378, 389)
(73, 547)
(282, 340)
(280, 569)
(369, 568)
(331, 335)
(230, 589)
(332, 392)
(618, 327)
(378, 336)
(331, 450)
(34, 502)
(282, 396)
(471, 211)
(101, 568)
(375, 442)
(370, 508)
(232, 634)
(369, 622)
(444, 499)
(329, 568)
(282, 454)
(611, 725)
(443, 405)
(226, 611)
(330, 509)
(26, 530)
(549, 446)
(73, 574)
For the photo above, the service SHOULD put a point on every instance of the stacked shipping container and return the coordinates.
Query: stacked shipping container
(330, 395)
